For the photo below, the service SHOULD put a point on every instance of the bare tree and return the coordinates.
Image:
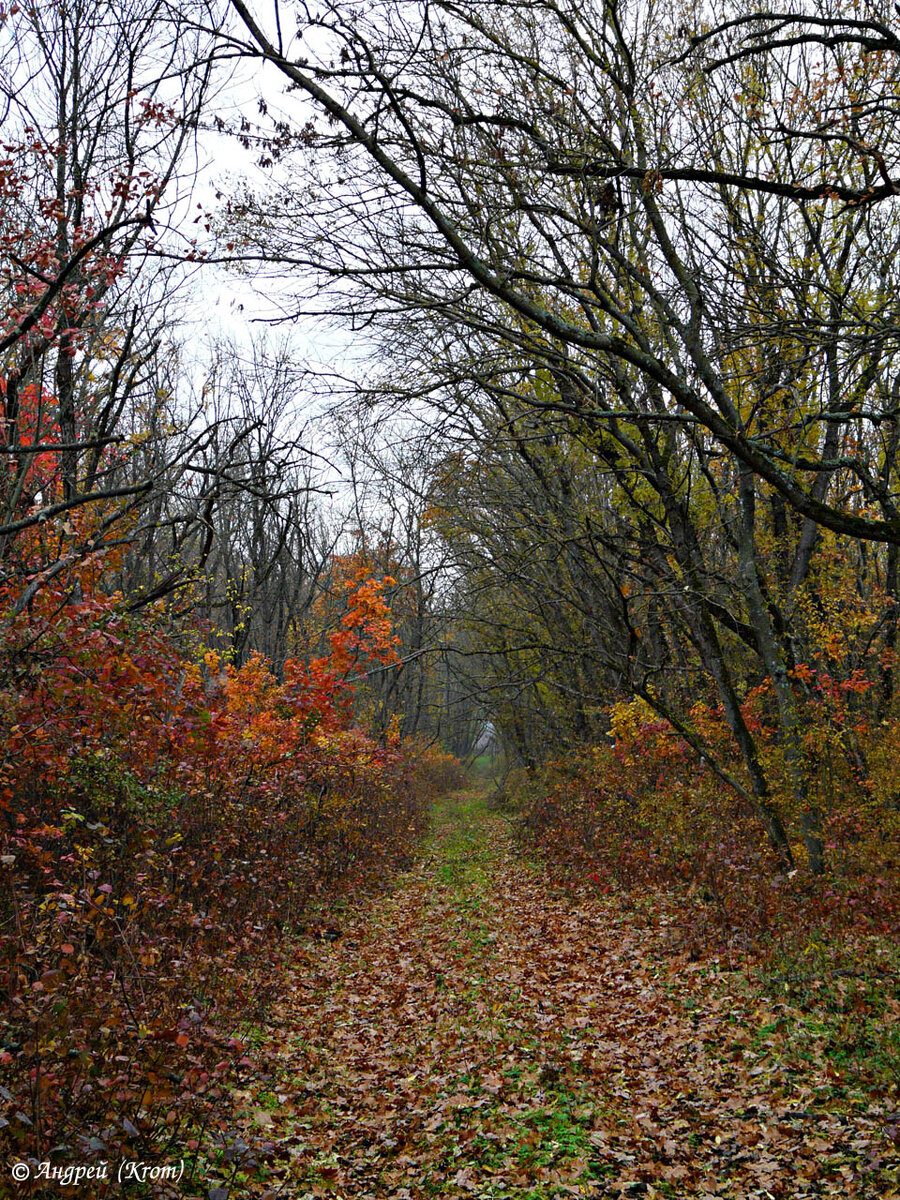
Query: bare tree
(465, 147)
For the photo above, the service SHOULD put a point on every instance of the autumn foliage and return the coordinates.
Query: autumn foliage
(646, 811)
(166, 818)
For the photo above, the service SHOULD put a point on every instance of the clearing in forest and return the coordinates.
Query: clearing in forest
(480, 1033)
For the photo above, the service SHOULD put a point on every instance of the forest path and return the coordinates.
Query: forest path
(478, 1033)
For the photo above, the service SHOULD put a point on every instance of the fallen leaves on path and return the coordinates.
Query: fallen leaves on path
(479, 1033)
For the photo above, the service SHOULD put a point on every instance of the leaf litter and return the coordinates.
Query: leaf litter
(480, 1032)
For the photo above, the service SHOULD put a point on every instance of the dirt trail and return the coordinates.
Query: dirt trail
(477, 1033)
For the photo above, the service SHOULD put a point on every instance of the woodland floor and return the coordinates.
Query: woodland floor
(479, 1032)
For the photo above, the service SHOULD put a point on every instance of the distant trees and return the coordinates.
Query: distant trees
(266, 541)
(390, 469)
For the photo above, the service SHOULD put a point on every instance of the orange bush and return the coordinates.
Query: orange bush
(436, 771)
(644, 811)
(164, 819)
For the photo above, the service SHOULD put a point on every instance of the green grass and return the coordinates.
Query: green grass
(460, 846)
(553, 1134)
(842, 1005)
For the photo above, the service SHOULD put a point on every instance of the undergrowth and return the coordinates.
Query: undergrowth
(642, 823)
(167, 822)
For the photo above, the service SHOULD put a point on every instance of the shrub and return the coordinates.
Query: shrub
(164, 820)
(436, 771)
(645, 812)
